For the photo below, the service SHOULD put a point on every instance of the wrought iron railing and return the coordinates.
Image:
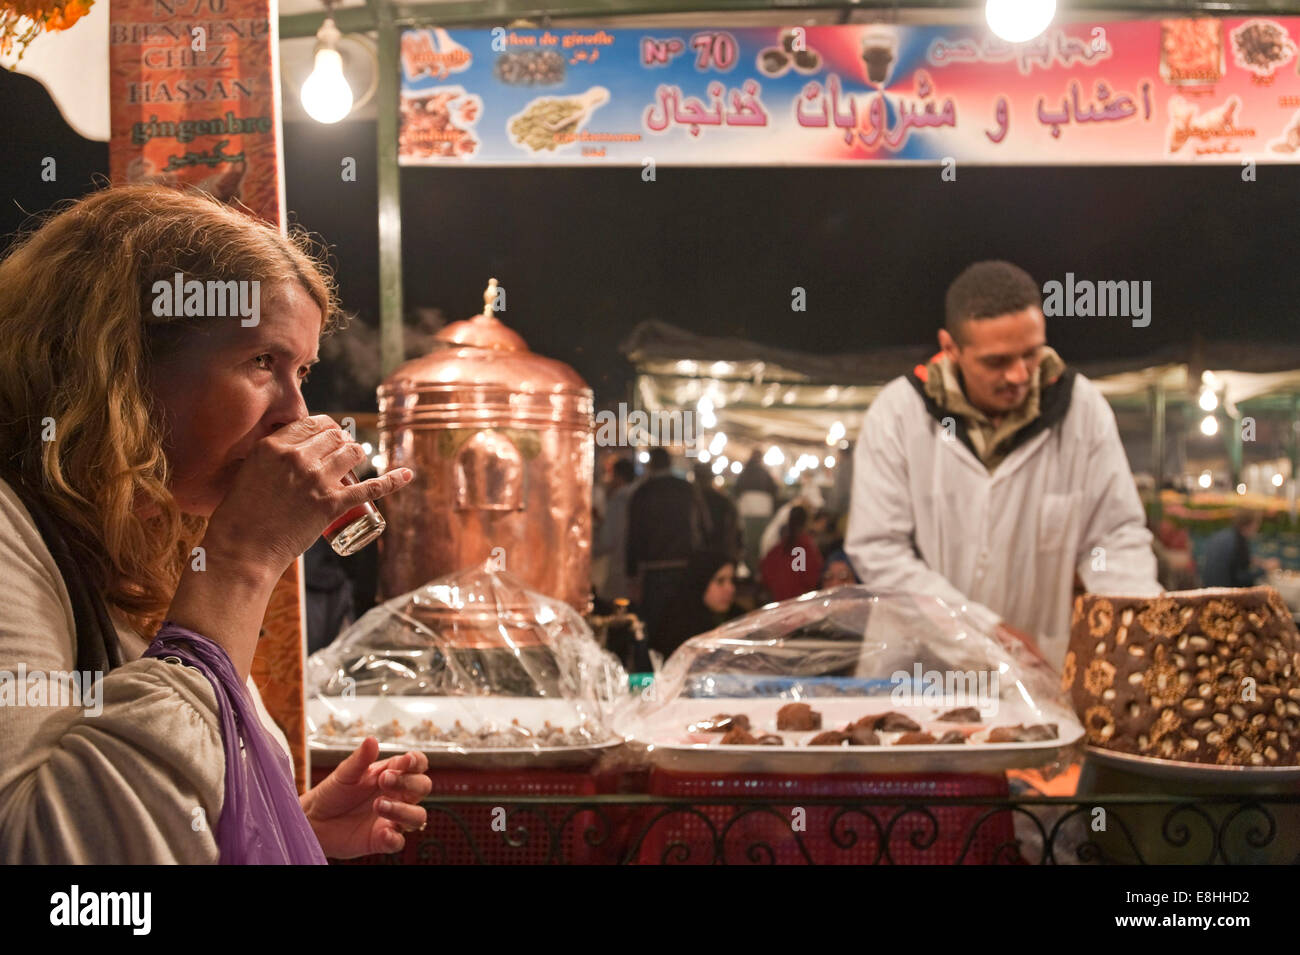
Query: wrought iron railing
(650, 829)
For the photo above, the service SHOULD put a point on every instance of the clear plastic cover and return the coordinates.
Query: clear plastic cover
(471, 663)
(898, 681)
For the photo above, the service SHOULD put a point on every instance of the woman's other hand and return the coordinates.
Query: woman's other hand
(366, 806)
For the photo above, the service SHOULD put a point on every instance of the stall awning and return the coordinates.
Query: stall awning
(775, 394)
(757, 391)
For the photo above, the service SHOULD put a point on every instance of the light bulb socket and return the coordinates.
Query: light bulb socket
(328, 36)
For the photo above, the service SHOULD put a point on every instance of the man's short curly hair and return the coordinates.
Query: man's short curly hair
(987, 290)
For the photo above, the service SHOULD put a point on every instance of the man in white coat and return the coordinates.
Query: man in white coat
(994, 475)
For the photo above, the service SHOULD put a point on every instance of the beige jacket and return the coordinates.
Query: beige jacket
(141, 781)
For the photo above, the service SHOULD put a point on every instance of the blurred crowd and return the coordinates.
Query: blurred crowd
(689, 552)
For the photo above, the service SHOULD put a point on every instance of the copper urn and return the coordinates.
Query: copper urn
(501, 443)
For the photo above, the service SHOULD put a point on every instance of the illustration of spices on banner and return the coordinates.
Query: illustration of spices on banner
(1261, 46)
(553, 121)
(439, 124)
(1191, 52)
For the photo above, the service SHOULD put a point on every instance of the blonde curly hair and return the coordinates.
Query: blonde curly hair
(77, 338)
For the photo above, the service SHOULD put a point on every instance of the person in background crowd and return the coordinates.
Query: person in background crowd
(808, 498)
(838, 571)
(703, 600)
(611, 541)
(328, 595)
(1175, 566)
(825, 531)
(666, 522)
(992, 474)
(600, 490)
(794, 564)
(1226, 559)
(724, 518)
(756, 494)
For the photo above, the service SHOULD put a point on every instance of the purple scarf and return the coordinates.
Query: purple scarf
(262, 822)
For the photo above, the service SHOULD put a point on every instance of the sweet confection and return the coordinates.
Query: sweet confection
(862, 735)
(798, 716)
(487, 736)
(829, 738)
(720, 723)
(895, 723)
(1207, 676)
(901, 730)
(1023, 734)
(914, 739)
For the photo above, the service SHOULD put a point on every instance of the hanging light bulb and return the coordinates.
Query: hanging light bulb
(326, 96)
(1209, 425)
(1019, 20)
(1208, 400)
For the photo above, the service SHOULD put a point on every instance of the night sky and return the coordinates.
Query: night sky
(586, 254)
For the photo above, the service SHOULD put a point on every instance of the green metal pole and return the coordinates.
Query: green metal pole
(391, 349)
(1293, 449)
(1158, 446)
(1234, 448)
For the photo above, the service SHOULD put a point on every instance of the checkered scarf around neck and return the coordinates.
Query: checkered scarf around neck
(943, 384)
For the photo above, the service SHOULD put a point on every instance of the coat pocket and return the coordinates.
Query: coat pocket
(1057, 518)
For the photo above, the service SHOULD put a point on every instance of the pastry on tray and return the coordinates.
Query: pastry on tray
(914, 739)
(798, 717)
(895, 723)
(829, 738)
(1036, 733)
(720, 723)
(1205, 676)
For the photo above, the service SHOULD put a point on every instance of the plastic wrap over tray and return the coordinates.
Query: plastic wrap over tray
(847, 680)
(472, 665)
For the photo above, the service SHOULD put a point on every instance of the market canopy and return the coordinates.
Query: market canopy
(1245, 371)
(767, 393)
(758, 391)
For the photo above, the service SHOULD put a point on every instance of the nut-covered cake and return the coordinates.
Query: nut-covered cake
(1205, 676)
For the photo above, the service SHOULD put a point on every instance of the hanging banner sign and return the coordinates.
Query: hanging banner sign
(1154, 91)
(193, 98)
